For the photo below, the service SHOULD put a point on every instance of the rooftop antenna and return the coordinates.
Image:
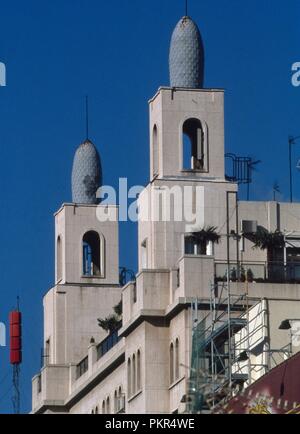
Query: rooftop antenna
(276, 189)
(251, 168)
(87, 116)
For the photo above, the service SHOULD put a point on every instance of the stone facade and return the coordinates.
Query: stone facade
(144, 367)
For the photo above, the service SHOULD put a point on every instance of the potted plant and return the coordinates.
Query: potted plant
(273, 243)
(243, 274)
(112, 323)
(250, 275)
(205, 235)
(233, 275)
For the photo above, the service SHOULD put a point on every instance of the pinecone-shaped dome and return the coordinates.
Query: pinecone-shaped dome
(186, 60)
(86, 174)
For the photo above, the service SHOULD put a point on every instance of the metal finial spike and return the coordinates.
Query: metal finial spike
(186, 8)
(87, 116)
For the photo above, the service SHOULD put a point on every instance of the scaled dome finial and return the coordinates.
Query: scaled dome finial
(186, 59)
(86, 174)
(87, 170)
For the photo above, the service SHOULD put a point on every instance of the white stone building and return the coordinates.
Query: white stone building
(144, 367)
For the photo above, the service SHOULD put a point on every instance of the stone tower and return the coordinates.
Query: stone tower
(87, 266)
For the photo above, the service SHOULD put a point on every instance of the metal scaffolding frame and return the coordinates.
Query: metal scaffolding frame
(213, 353)
(222, 344)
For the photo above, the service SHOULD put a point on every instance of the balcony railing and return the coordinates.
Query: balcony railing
(108, 343)
(265, 272)
(82, 367)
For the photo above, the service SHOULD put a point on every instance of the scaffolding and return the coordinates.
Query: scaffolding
(230, 347)
(214, 348)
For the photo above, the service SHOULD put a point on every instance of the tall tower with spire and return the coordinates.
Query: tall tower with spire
(186, 149)
(187, 176)
(86, 266)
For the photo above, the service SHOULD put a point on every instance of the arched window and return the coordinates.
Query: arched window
(194, 145)
(107, 405)
(138, 371)
(103, 407)
(171, 363)
(155, 147)
(144, 249)
(177, 359)
(92, 248)
(116, 399)
(129, 390)
(96, 410)
(133, 374)
(58, 259)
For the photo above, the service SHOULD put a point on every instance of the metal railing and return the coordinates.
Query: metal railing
(108, 343)
(82, 367)
(265, 272)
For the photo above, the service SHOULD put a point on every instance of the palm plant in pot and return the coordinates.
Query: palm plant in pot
(203, 236)
(113, 322)
(273, 243)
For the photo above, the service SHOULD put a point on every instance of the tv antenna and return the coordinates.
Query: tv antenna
(276, 189)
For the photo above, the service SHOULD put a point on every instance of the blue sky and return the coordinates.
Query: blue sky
(58, 51)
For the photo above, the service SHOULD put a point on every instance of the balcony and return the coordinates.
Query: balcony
(150, 294)
(196, 274)
(259, 272)
(107, 344)
(50, 386)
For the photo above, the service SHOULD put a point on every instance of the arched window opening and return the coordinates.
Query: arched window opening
(59, 259)
(129, 378)
(193, 145)
(171, 363)
(120, 408)
(91, 246)
(103, 407)
(144, 248)
(96, 410)
(47, 355)
(138, 371)
(155, 147)
(108, 405)
(177, 359)
(133, 375)
(116, 401)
